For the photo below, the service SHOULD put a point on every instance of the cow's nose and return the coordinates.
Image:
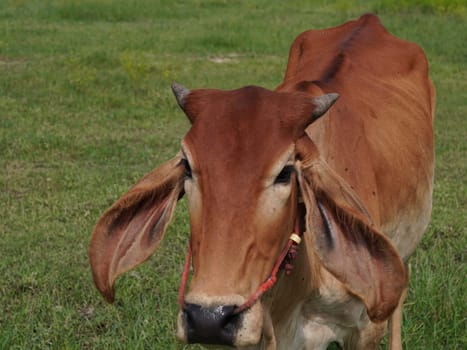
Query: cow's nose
(210, 325)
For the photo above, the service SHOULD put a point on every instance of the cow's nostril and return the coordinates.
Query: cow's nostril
(210, 325)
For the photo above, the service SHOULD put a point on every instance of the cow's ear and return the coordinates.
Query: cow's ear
(346, 241)
(131, 229)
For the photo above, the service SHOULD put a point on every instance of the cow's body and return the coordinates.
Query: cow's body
(380, 135)
(256, 162)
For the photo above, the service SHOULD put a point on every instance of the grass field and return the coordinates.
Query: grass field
(86, 110)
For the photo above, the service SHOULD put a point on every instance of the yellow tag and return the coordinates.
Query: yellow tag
(296, 238)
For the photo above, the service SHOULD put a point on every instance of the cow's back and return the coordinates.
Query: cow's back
(379, 134)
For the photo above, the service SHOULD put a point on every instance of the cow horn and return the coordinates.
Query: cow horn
(323, 103)
(180, 93)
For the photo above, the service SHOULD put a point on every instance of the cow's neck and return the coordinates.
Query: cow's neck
(287, 299)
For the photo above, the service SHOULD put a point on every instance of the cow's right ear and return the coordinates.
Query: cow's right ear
(348, 244)
(131, 229)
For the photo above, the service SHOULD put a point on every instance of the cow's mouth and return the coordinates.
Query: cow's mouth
(205, 321)
(211, 325)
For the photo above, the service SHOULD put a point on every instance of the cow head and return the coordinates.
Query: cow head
(245, 165)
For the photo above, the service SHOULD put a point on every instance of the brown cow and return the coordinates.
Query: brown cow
(355, 181)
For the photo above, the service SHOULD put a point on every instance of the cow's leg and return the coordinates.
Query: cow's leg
(395, 323)
(269, 339)
(319, 335)
(368, 338)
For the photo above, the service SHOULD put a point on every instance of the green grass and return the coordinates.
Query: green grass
(86, 110)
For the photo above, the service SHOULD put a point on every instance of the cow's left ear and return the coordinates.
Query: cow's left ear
(131, 229)
(345, 239)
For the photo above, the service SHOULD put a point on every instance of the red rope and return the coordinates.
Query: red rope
(186, 271)
(290, 247)
(272, 279)
(266, 285)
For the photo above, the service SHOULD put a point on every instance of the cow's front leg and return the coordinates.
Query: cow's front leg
(368, 338)
(269, 338)
(320, 335)
(395, 323)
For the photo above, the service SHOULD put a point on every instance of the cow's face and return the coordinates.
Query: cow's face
(239, 160)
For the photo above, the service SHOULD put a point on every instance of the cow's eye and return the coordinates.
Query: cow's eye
(285, 175)
(188, 172)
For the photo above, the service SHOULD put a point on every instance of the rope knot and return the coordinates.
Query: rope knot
(287, 263)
